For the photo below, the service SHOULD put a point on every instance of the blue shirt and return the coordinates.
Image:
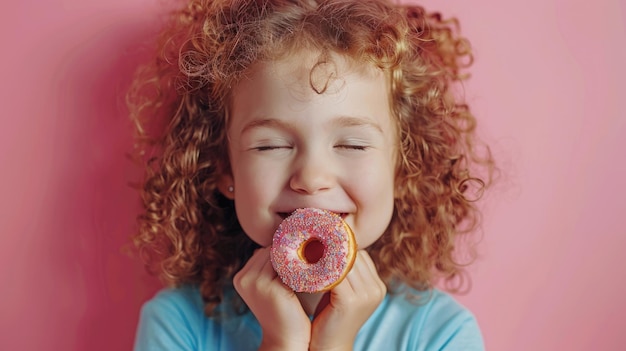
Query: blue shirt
(174, 320)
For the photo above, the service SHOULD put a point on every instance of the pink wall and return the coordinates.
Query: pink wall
(547, 83)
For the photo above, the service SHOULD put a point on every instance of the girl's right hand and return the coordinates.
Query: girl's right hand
(283, 321)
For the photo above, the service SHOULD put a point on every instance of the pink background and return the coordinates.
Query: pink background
(548, 85)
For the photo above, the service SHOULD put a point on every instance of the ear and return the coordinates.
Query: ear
(226, 186)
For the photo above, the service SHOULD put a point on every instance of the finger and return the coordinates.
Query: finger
(252, 269)
(373, 271)
(360, 274)
(362, 283)
(267, 270)
(348, 288)
(269, 279)
(263, 270)
(369, 267)
(369, 262)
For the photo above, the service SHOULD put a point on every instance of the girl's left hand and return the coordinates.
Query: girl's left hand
(351, 303)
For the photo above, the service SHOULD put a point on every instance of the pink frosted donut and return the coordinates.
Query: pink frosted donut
(300, 229)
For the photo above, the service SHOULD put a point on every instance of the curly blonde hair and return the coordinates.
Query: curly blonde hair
(189, 232)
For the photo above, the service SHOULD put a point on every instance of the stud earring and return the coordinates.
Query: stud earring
(231, 189)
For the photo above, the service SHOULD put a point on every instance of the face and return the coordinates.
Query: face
(291, 147)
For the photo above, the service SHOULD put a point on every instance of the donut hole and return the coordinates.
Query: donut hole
(313, 250)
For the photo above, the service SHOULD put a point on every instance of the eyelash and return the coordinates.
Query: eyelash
(269, 148)
(348, 147)
(353, 147)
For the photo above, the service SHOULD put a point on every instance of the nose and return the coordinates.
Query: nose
(312, 174)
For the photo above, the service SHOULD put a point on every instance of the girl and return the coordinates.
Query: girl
(253, 109)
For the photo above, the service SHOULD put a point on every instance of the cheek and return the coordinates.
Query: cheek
(379, 193)
(255, 180)
(373, 188)
(255, 190)
(373, 177)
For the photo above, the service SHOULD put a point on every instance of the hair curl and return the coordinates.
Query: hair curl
(189, 233)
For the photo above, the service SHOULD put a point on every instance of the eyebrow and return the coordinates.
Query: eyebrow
(340, 121)
(268, 123)
(354, 121)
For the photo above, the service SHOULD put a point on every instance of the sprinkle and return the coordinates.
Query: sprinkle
(293, 232)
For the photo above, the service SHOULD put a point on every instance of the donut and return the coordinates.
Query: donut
(301, 228)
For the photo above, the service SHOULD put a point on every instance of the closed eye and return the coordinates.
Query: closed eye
(269, 147)
(266, 148)
(353, 147)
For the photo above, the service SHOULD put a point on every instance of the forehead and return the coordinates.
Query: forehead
(310, 90)
(309, 72)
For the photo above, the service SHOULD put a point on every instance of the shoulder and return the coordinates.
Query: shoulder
(430, 320)
(185, 297)
(183, 303)
(450, 325)
(172, 319)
